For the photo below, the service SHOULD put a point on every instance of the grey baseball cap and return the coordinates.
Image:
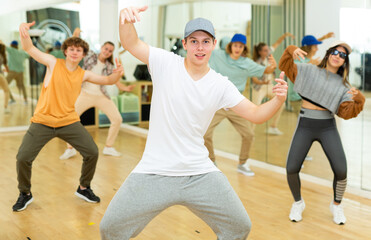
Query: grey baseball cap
(199, 24)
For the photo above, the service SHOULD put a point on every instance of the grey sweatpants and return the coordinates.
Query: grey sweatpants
(143, 196)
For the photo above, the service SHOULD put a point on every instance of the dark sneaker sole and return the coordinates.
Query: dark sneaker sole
(85, 198)
(25, 206)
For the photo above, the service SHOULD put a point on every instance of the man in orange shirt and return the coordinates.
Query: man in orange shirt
(55, 114)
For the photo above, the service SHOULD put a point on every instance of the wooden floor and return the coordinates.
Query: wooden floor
(58, 214)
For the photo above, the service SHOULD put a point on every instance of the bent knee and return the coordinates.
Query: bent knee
(248, 135)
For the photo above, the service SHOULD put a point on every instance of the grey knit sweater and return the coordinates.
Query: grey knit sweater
(321, 86)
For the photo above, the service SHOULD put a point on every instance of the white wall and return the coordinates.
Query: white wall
(322, 17)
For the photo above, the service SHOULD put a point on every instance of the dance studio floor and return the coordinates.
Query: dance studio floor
(58, 214)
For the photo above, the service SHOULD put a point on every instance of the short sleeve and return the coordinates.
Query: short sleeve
(254, 69)
(231, 96)
(159, 59)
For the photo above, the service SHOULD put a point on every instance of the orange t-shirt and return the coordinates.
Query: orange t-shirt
(56, 104)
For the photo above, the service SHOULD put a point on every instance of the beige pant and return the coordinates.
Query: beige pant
(107, 106)
(243, 127)
(18, 76)
(5, 87)
(266, 91)
(296, 106)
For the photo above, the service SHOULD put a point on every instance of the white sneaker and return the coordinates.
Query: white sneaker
(70, 152)
(244, 169)
(111, 151)
(11, 101)
(297, 209)
(6, 110)
(308, 158)
(274, 131)
(338, 213)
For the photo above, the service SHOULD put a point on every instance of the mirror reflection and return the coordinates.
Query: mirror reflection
(268, 28)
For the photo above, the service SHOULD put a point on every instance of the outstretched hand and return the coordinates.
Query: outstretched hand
(280, 89)
(354, 92)
(127, 88)
(119, 68)
(23, 29)
(272, 61)
(299, 54)
(131, 14)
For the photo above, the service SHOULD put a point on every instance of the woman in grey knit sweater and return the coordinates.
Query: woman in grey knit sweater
(325, 91)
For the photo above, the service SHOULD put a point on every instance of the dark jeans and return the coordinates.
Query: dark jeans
(38, 135)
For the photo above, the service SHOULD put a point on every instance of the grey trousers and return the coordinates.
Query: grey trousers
(143, 196)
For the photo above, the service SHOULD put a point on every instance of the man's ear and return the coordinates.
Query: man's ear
(184, 42)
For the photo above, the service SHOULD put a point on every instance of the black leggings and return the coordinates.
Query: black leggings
(325, 132)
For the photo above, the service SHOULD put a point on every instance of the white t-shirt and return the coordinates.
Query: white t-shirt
(181, 111)
(93, 88)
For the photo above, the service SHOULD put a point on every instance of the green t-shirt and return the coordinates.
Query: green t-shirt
(292, 95)
(58, 54)
(238, 70)
(15, 59)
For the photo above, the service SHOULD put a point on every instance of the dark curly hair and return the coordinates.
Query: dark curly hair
(76, 42)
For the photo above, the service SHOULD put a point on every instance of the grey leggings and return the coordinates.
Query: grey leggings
(143, 196)
(315, 125)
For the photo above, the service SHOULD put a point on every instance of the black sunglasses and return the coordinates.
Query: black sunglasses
(335, 52)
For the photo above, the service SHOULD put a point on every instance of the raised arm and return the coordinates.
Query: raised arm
(261, 113)
(287, 64)
(326, 36)
(280, 39)
(43, 58)
(272, 65)
(128, 35)
(105, 80)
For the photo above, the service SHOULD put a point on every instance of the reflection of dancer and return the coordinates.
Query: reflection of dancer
(57, 52)
(16, 69)
(55, 114)
(93, 95)
(175, 168)
(234, 64)
(325, 91)
(262, 87)
(3, 82)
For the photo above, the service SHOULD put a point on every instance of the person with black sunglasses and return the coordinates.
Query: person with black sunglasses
(325, 91)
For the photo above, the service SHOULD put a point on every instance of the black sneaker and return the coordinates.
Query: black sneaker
(22, 202)
(87, 194)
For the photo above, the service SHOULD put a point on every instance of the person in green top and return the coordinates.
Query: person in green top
(16, 59)
(234, 64)
(57, 52)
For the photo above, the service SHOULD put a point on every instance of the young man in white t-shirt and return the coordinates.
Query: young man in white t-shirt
(175, 168)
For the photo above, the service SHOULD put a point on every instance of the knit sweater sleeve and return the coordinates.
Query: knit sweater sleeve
(287, 64)
(351, 109)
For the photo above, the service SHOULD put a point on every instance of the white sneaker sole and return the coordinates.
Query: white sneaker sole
(85, 198)
(67, 157)
(245, 173)
(25, 206)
